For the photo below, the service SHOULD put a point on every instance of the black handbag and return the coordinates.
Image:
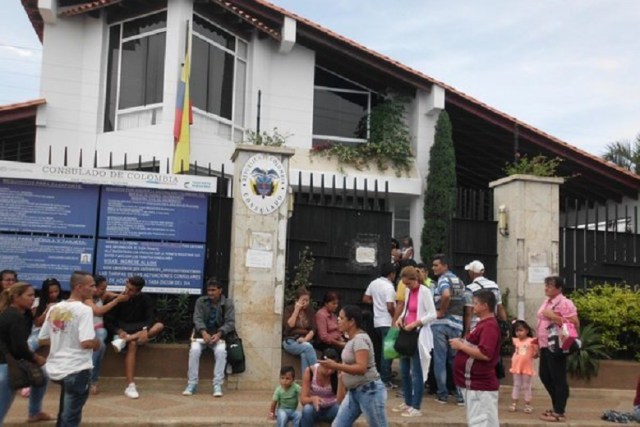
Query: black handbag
(24, 373)
(407, 341)
(235, 352)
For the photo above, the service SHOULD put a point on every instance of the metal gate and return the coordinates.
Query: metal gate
(474, 233)
(599, 243)
(348, 232)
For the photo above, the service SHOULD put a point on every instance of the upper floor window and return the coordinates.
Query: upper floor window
(340, 108)
(135, 70)
(218, 71)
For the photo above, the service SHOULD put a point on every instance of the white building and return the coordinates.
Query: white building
(109, 77)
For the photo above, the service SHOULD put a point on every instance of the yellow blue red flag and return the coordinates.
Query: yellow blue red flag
(183, 118)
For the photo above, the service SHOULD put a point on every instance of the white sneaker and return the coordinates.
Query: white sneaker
(411, 412)
(401, 407)
(118, 344)
(131, 391)
(217, 391)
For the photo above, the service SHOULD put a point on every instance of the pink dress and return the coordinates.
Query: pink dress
(522, 360)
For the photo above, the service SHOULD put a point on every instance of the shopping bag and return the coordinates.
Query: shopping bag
(389, 352)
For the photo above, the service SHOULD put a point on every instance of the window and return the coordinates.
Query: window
(135, 71)
(340, 109)
(218, 70)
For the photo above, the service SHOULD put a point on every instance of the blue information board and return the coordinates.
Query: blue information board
(38, 258)
(166, 267)
(153, 214)
(48, 207)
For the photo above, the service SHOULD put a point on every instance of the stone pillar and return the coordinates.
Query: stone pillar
(528, 247)
(258, 249)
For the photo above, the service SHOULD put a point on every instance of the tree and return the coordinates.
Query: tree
(625, 154)
(440, 195)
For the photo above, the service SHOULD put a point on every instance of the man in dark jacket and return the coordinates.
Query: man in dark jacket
(132, 324)
(213, 318)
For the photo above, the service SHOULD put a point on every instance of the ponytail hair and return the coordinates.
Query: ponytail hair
(7, 296)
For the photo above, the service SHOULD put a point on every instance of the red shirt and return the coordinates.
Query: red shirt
(474, 374)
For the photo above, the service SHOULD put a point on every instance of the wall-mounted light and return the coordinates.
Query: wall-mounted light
(290, 202)
(503, 221)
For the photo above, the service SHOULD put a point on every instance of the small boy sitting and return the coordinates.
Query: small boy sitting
(285, 399)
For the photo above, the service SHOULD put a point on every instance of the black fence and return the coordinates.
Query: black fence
(474, 232)
(348, 231)
(599, 243)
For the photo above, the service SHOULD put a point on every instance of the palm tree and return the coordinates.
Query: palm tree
(625, 154)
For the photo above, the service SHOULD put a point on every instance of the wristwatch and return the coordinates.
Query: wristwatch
(144, 328)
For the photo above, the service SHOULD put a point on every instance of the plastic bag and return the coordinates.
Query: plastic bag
(389, 352)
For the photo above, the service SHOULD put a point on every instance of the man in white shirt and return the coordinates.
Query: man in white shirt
(382, 295)
(68, 329)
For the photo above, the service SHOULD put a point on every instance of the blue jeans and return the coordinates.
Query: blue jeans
(283, 416)
(368, 399)
(443, 354)
(73, 396)
(310, 416)
(412, 381)
(98, 355)
(385, 364)
(7, 395)
(305, 350)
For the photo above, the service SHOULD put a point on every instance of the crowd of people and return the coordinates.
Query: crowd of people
(74, 329)
(458, 352)
(455, 327)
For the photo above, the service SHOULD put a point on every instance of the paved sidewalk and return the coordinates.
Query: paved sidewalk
(161, 404)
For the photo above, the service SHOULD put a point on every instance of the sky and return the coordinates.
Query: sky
(568, 67)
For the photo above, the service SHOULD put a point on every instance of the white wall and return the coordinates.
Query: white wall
(73, 83)
(422, 118)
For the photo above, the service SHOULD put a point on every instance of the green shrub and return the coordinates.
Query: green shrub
(175, 311)
(585, 363)
(538, 166)
(615, 311)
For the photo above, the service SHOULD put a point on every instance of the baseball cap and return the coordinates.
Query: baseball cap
(475, 266)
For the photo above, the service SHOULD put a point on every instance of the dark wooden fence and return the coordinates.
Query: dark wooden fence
(599, 243)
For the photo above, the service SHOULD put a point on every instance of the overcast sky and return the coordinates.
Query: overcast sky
(568, 67)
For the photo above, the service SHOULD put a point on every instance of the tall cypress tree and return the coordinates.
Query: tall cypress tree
(440, 195)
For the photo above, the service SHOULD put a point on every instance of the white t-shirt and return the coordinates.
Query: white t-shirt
(67, 325)
(381, 292)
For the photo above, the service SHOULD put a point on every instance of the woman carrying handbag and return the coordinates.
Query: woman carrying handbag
(14, 332)
(418, 313)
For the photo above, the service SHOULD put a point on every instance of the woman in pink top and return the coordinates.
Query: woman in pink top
(555, 310)
(526, 349)
(328, 335)
(419, 311)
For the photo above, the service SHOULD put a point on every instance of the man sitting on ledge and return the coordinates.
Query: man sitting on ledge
(213, 318)
(132, 323)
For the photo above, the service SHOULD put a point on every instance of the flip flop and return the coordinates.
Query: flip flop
(553, 418)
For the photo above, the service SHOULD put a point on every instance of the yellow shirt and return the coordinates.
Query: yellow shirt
(400, 292)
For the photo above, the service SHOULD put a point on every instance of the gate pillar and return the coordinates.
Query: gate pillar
(258, 255)
(528, 212)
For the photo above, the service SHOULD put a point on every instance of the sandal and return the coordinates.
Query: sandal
(553, 418)
(513, 407)
(528, 409)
